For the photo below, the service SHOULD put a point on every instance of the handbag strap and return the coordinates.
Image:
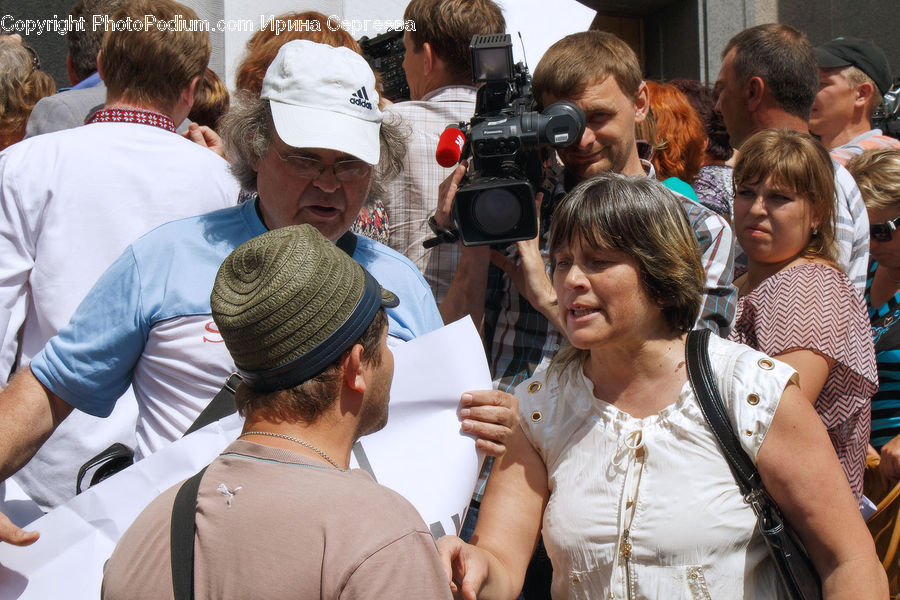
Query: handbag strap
(219, 407)
(181, 541)
(700, 375)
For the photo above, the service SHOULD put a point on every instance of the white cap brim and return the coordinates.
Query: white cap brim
(307, 127)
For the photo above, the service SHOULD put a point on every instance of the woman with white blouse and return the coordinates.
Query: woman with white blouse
(614, 463)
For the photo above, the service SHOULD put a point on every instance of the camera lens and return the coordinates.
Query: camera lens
(497, 211)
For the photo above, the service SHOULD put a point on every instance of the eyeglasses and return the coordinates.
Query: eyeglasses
(311, 168)
(883, 232)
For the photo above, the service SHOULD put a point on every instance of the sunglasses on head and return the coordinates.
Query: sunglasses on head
(35, 60)
(883, 232)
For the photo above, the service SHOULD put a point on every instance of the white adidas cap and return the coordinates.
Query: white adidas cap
(324, 97)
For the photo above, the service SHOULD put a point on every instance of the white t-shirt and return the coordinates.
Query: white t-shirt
(72, 201)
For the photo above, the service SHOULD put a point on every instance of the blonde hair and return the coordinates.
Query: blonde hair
(22, 84)
(877, 173)
(798, 162)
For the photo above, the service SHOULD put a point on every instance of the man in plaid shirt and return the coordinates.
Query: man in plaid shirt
(439, 72)
(599, 73)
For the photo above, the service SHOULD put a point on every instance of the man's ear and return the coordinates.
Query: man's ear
(864, 93)
(641, 103)
(428, 63)
(352, 365)
(99, 64)
(187, 94)
(755, 90)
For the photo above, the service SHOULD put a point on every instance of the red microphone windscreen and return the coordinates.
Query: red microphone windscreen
(450, 147)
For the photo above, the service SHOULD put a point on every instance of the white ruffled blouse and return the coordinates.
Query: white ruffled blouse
(648, 508)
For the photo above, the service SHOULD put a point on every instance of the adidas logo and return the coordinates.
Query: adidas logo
(361, 98)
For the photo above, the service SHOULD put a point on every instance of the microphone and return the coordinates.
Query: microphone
(450, 147)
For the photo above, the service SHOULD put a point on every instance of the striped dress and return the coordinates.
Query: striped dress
(886, 402)
(815, 307)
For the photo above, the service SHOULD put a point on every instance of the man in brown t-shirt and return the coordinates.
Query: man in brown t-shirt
(278, 513)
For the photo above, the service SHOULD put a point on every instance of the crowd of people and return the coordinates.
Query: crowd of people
(160, 233)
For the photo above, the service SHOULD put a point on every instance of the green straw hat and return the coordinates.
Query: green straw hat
(289, 302)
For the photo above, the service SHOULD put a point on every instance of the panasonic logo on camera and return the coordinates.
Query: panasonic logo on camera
(361, 98)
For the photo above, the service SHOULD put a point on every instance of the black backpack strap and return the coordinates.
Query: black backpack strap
(220, 407)
(182, 533)
(347, 243)
(700, 374)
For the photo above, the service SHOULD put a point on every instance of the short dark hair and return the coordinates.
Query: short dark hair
(784, 59)
(642, 218)
(84, 43)
(449, 25)
(309, 400)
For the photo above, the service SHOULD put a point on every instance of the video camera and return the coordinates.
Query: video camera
(494, 204)
(385, 53)
(887, 115)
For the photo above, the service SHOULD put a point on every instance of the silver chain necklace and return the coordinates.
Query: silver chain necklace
(296, 441)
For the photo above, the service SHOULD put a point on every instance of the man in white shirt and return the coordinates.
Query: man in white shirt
(73, 200)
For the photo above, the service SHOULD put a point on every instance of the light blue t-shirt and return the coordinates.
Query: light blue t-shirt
(147, 320)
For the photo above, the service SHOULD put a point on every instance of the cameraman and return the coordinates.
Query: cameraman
(439, 73)
(599, 73)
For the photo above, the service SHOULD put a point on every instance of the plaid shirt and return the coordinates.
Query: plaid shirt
(412, 197)
(867, 141)
(518, 337)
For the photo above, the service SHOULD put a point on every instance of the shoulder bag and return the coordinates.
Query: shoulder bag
(798, 575)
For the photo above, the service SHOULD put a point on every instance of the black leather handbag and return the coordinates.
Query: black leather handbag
(798, 575)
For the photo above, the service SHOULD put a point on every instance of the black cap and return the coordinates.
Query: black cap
(862, 54)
